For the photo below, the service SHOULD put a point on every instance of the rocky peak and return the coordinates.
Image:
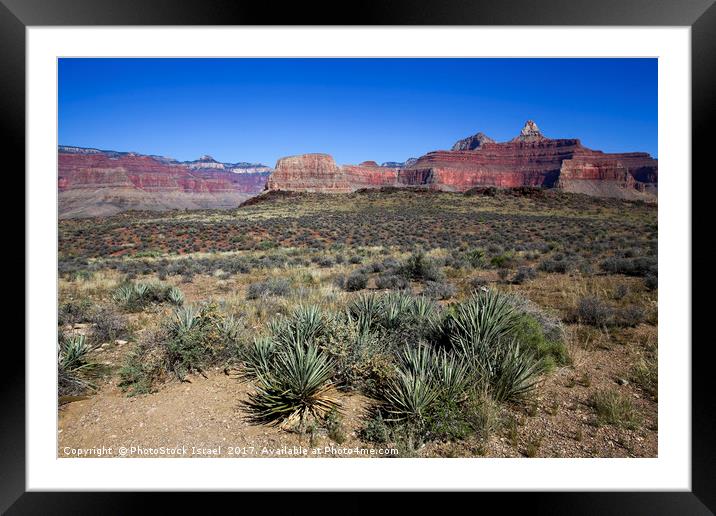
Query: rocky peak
(206, 157)
(529, 133)
(472, 142)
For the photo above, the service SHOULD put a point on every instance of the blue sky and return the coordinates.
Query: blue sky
(259, 110)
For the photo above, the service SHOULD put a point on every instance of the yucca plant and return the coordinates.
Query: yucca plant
(124, 295)
(481, 321)
(297, 386)
(364, 311)
(410, 395)
(73, 353)
(510, 372)
(229, 328)
(175, 296)
(394, 308)
(300, 328)
(184, 319)
(258, 358)
(453, 375)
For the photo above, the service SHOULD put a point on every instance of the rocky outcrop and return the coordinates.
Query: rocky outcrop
(94, 182)
(529, 159)
(472, 142)
(308, 173)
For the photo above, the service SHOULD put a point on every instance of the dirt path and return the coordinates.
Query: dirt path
(203, 418)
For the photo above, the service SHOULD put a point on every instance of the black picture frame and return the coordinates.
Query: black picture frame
(700, 15)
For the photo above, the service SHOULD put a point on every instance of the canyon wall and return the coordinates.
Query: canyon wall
(98, 183)
(529, 159)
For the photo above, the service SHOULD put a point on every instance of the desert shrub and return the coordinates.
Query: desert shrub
(638, 266)
(391, 282)
(503, 273)
(193, 339)
(273, 287)
(560, 265)
(476, 258)
(593, 311)
(530, 333)
(621, 291)
(334, 426)
(503, 261)
(439, 290)
(375, 430)
(651, 282)
(420, 268)
(630, 316)
(478, 282)
(523, 274)
(356, 281)
(74, 311)
(340, 281)
(108, 325)
(614, 408)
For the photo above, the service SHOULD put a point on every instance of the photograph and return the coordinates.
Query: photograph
(357, 257)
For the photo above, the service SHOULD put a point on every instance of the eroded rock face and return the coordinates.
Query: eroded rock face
(472, 142)
(93, 182)
(308, 173)
(529, 159)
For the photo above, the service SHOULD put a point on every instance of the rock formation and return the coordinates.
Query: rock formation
(529, 159)
(472, 142)
(92, 182)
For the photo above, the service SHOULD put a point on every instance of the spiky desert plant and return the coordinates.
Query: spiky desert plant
(410, 395)
(73, 353)
(229, 328)
(480, 321)
(300, 328)
(394, 307)
(364, 311)
(124, 295)
(258, 358)
(184, 319)
(297, 386)
(453, 375)
(511, 372)
(175, 296)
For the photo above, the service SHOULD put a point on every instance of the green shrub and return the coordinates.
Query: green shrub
(193, 339)
(420, 268)
(356, 281)
(531, 335)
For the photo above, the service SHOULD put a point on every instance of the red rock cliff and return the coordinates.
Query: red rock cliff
(92, 182)
(529, 159)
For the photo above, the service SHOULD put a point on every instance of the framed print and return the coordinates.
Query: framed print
(274, 250)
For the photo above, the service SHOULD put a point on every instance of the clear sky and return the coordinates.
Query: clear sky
(259, 110)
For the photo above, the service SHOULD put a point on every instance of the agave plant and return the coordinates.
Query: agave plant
(175, 296)
(298, 386)
(142, 291)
